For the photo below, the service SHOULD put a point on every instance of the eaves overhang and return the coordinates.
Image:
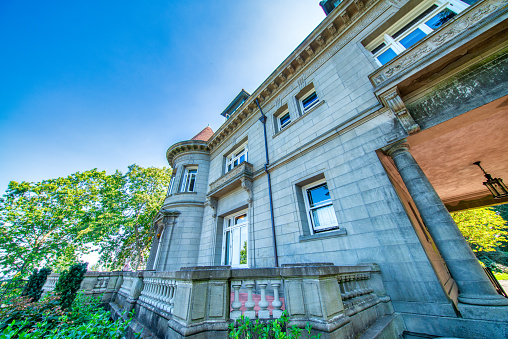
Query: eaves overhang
(185, 146)
(334, 26)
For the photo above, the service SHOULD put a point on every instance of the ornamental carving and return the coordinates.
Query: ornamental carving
(212, 203)
(393, 100)
(464, 22)
(231, 180)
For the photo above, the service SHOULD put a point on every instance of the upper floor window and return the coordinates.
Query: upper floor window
(171, 183)
(236, 158)
(284, 120)
(397, 39)
(309, 100)
(319, 206)
(189, 179)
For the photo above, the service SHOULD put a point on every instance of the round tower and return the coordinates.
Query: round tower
(179, 222)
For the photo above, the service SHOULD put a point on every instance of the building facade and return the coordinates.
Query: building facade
(354, 151)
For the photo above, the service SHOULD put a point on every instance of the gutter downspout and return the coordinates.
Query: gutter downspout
(263, 120)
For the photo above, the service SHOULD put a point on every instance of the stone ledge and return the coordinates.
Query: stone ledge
(317, 236)
(231, 180)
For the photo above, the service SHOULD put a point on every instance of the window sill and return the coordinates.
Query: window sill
(322, 235)
(178, 193)
(299, 118)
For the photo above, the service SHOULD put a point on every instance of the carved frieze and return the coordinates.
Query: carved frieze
(467, 20)
(393, 100)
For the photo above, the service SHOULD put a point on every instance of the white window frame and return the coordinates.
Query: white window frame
(279, 120)
(187, 179)
(171, 184)
(235, 156)
(456, 6)
(308, 208)
(306, 96)
(230, 227)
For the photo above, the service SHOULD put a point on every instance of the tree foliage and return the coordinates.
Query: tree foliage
(54, 221)
(69, 283)
(483, 228)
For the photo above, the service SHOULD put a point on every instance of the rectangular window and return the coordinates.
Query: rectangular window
(189, 179)
(171, 184)
(235, 239)
(394, 43)
(284, 120)
(319, 206)
(309, 100)
(236, 158)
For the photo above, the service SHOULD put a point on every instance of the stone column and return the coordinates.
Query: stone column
(474, 286)
(153, 253)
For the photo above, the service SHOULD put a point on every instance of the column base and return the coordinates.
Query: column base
(490, 313)
(484, 300)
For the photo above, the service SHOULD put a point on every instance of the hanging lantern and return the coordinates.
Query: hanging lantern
(495, 185)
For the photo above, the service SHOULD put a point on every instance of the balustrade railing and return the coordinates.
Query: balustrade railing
(159, 293)
(127, 284)
(255, 305)
(50, 283)
(353, 287)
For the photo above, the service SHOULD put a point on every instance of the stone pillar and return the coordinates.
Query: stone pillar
(153, 253)
(474, 286)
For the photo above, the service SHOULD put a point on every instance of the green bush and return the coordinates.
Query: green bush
(69, 283)
(244, 328)
(85, 319)
(33, 289)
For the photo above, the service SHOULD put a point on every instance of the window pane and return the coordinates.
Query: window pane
(324, 217)
(240, 219)
(243, 251)
(386, 56)
(226, 249)
(191, 183)
(309, 101)
(440, 18)
(242, 158)
(191, 171)
(318, 195)
(412, 38)
(285, 119)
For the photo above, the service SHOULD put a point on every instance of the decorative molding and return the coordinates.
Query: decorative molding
(301, 83)
(231, 180)
(345, 17)
(392, 99)
(186, 146)
(309, 51)
(212, 203)
(396, 147)
(467, 20)
(248, 185)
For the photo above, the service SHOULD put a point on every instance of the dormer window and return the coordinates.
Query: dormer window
(236, 158)
(413, 29)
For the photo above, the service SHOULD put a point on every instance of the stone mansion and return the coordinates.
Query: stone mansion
(328, 189)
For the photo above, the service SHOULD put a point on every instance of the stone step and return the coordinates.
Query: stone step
(388, 327)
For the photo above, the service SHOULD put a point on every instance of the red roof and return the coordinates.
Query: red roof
(204, 135)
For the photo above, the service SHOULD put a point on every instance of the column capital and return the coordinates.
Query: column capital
(397, 147)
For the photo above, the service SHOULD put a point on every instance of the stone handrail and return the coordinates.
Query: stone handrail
(250, 304)
(50, 283)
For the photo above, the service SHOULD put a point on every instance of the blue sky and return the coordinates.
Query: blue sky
(105, 84)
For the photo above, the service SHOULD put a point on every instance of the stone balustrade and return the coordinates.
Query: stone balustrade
(202, 299)
(50, 283)
(159, 293)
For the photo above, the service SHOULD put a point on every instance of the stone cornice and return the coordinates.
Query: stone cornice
(337, 29)
(185, 146)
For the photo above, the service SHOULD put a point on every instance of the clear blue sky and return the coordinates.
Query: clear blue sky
(105, 84)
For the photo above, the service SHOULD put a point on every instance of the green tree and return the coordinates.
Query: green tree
(122, 226)
(38, 221)
(483, 228)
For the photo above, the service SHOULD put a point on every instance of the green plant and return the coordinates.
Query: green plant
(33, 289)
(69, 282)
(244, 328)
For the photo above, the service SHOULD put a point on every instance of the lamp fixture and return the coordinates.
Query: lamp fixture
(495, 185)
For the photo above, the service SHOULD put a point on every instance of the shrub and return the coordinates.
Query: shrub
(69, 282)
(244, 328)
(85, 319)
(33, 289)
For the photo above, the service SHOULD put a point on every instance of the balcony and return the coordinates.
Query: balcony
(231, 180)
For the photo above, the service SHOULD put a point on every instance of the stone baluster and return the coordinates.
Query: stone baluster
(277, 304)
(263, 312)
(340, 280)
(167, 295)
(172, 296)
(236, 304)
(250, 304)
